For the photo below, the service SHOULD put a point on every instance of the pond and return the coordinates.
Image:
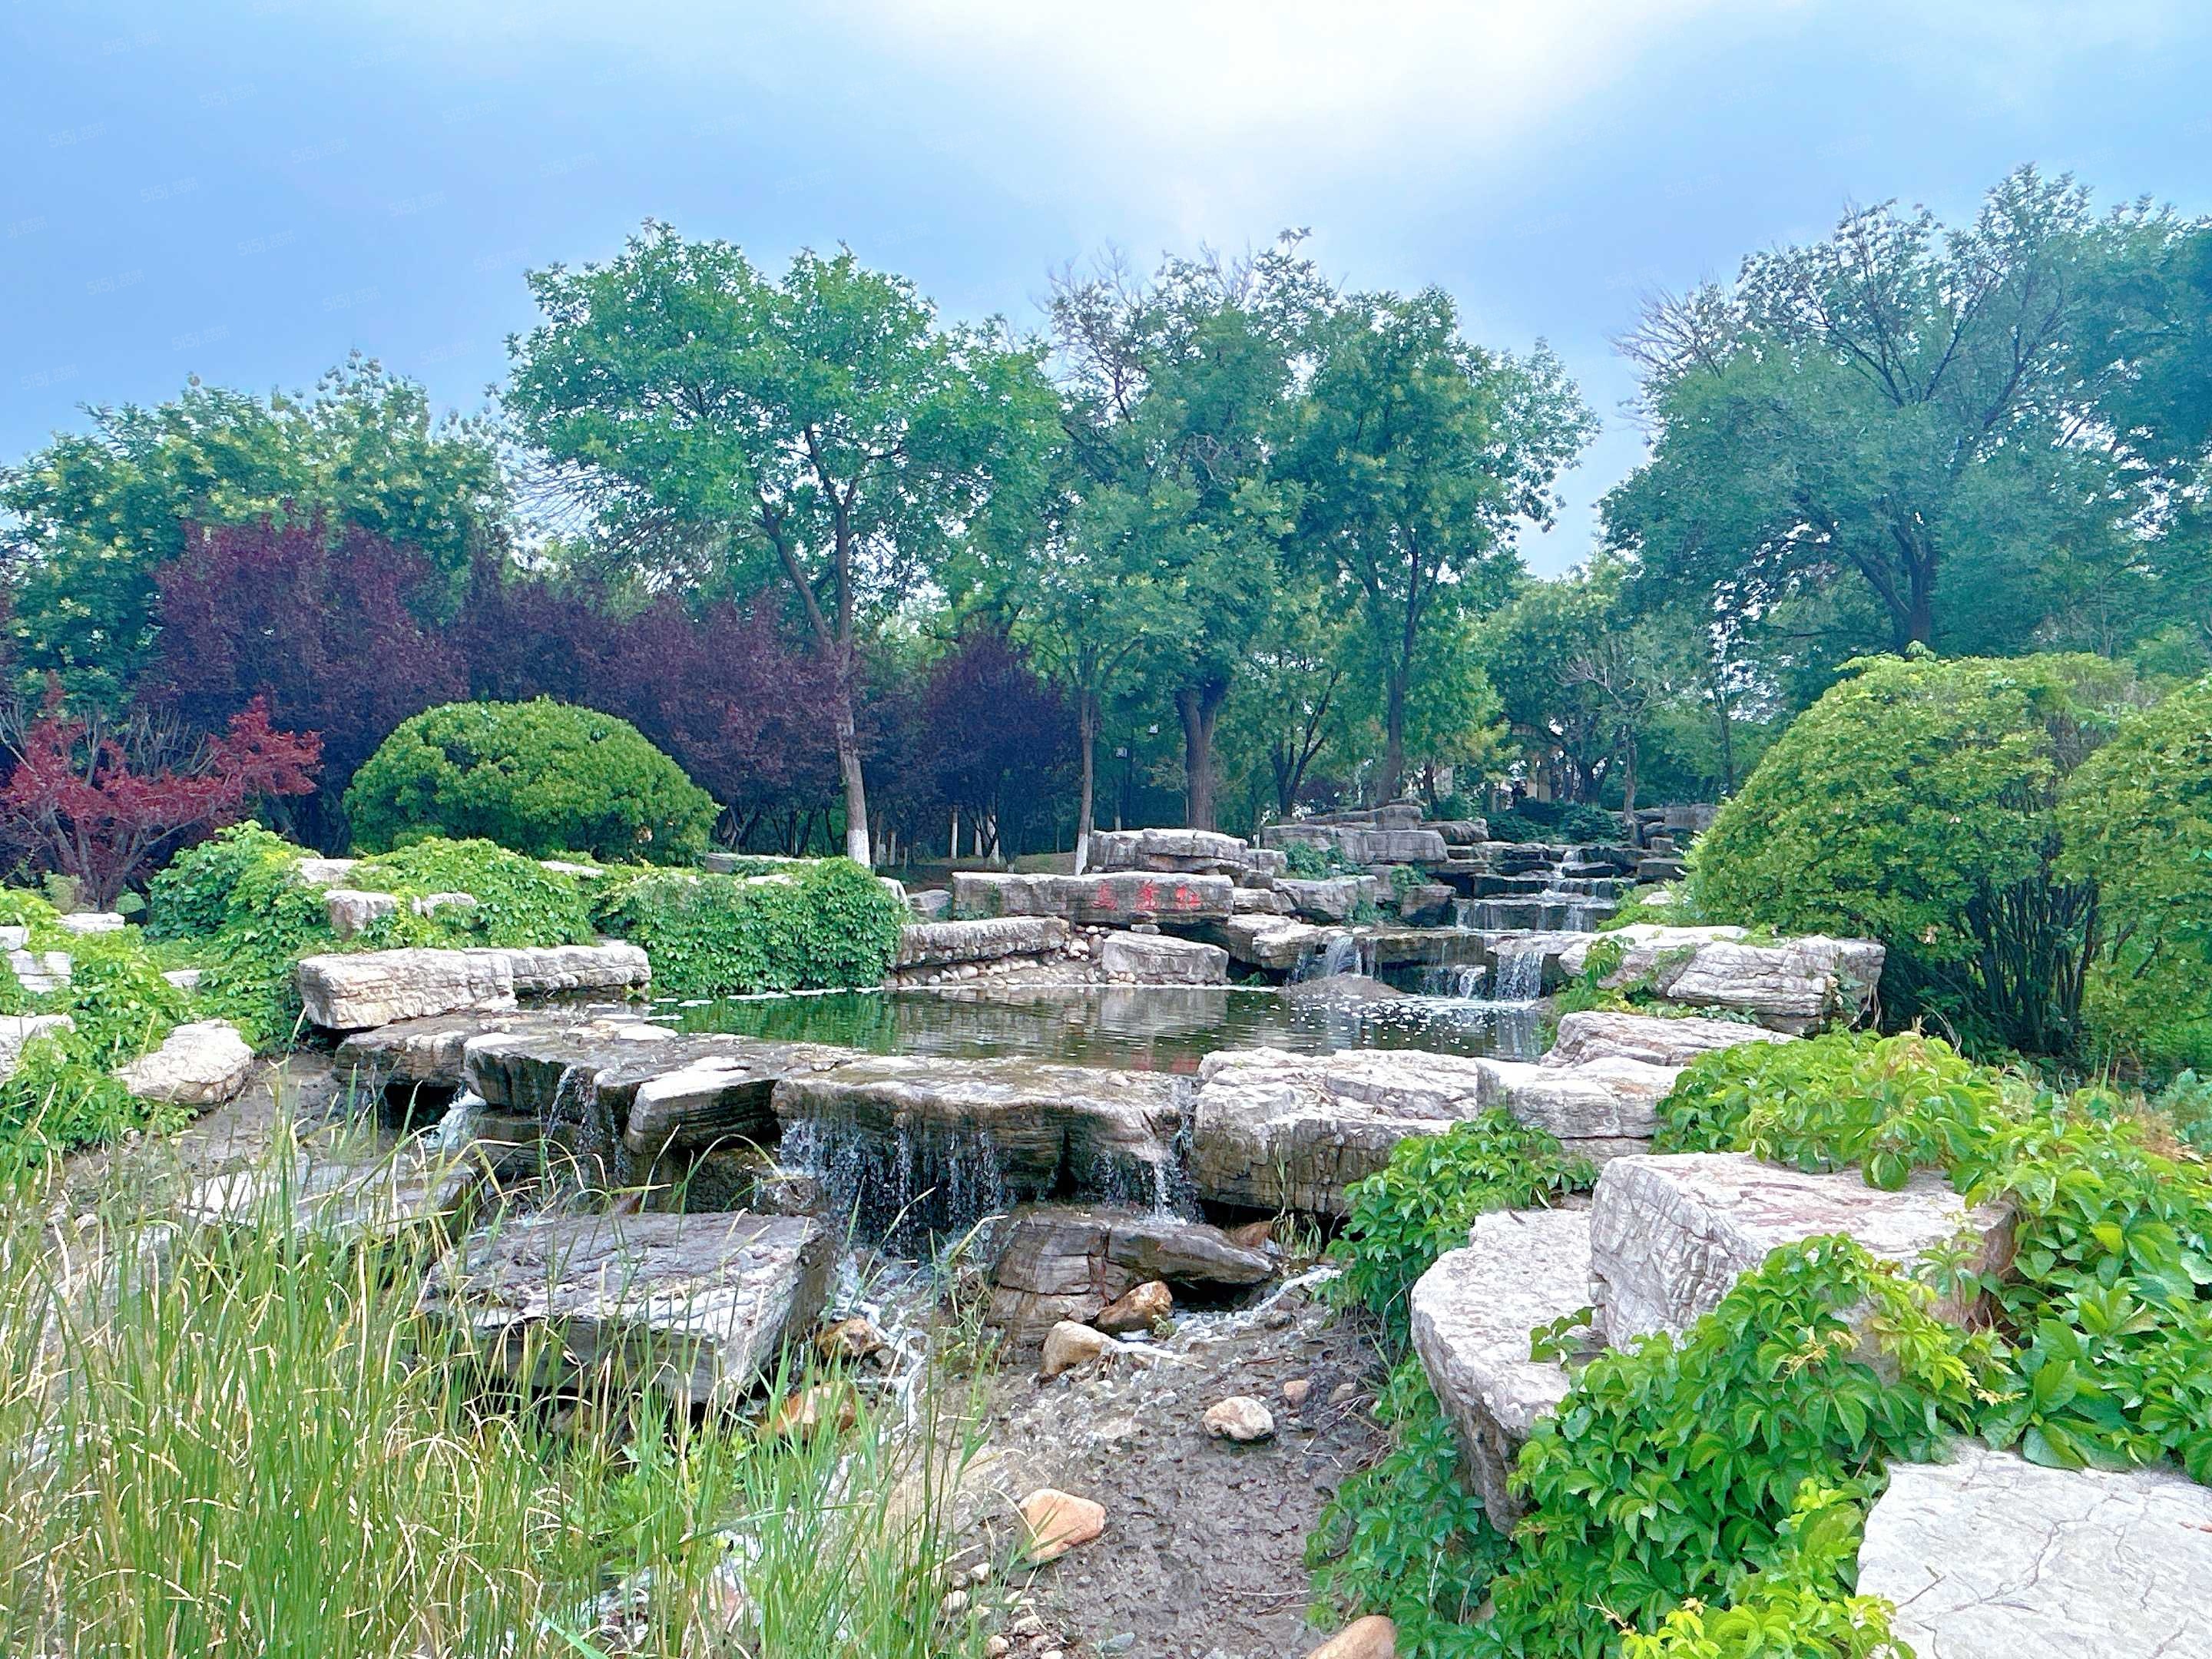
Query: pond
(1130, 1027)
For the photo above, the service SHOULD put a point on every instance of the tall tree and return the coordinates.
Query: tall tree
(1890, 435)
(98, 514)
(1414, 455)
(824, 431)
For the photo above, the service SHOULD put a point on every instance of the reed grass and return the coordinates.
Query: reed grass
(247, 1440)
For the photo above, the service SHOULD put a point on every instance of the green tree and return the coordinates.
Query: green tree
(824, 431)
(1294, 705)
(1915, 802)
(97, 513)
(1414, 455)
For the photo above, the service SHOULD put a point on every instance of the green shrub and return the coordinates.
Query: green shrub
(1916, 803)
(2186, 1101)
(831, 924)
(1309, 862)
(542, 778)
(518, 901)
(1405, 1537)
(1422, 1203)
(2136, 818)
(192, 897)
(1573, 823)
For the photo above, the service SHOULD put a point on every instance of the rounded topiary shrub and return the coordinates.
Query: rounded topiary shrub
(1915, 802)
(542, 778)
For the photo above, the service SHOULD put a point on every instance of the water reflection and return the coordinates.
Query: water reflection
(1132, 1027)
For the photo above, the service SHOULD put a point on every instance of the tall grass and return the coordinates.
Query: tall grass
(246, 1441)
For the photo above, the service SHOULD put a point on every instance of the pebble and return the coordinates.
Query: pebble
(1342, 1392)
(1239, 1417)
(850, 1338)
(954, 1604)
(998, 1648)
(1296, 1390)
(1058, 1521)
(1068, 1345)
(1137, 1310)
(1028, 1624)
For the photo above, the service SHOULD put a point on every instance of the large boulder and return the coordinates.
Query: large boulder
(910, 1144)
(351, 910)
(1276, 942)
(1990, 1556)
(1054, 1262)
(1471, 1314)
(1336, 899)
(1644, 942)
(199, 1064)
(1161, 959)
(1600, 1109)
(1592, 1034)
(1099, 901)
(694, 1306)
(414, 1190)
(934, 943)
(41, 973)
(18, 1031)
(1669, 1234)
(1795, 986)
(351, 993)
(1183, 852)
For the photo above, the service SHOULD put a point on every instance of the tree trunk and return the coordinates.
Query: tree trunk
(857, 845)
(1629, 759)
(1198, 705)
(1394, 736)
(1086, 738)
(1728, 731)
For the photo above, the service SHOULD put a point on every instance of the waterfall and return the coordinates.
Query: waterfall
(1463, 914)
(1463, 983)
(1520, 973)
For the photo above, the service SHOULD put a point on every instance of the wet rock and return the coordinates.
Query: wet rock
(937, 944)
(1241, 1418)
(1105, 900)
(1471, 1314)
(1055, 1522)
(1421, 947)
(350, 910)
(1068, 1347)
(420, 1053)
(1279, 943)
(695, 1305)
(1656, 1041)
(1991, 1557)
(1138, 1309)
(199, 1064)
(1427, 904)
(345, 1202)
(1372, 1637)
(853, 1339)
(1158, 959)
(350, 992)
(1054, 1262)
(922, 1144)
(1669, 1234)
(18, 1030)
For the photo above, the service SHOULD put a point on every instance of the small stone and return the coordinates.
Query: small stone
(1296, 1390)
(1372, 1637)
(1139, 1310)
(1056, 1522)
(822, 1403)
(954, 1604)
(850, 1338)
(1342, 1392)
(998, 1648)
(1240, 1418)
(1068, 1345)
(1253, 1234)
(1029, 1623)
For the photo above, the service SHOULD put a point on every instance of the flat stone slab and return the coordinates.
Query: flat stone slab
(1795, 986)
(1601, 1109)
(1185, 852)
(1651, 1038)
(1162, 959)
(18, 1031)
(345, 1202)
(1991, 1557)
(199, 1064)
(1106, 900)
(351, 993)
(1472, 1315)
(1054, 1262)
(1274, 941)
(910, 1142)
(933, 944)
(1655, 938)
(1669, 1234)
(693, 1305)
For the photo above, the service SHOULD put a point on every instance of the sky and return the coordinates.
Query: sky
(248, 191)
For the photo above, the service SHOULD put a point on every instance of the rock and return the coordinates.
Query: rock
(1668, 1234)
(570, 867)
(1258, 902)
(1991, 1557)
(913, 1144)
(41, 973)
(1239, 1417)
(322, 873)
(351, 910)
(1252, 1235)
(1138, 1309)
(414, 1189)
(414, 1055)
(1601, 1109)
(430, 903)
(1362, 843)
(693, 1305)
(1795, 986)
(1109, 900)
(1471, 1313)
(18, 1030)
(855, 1337)
(1337, 899)
(1054, 1262)
(1655, 938)
(1055, 1522)
(1186, 852)
(186, 979)
(1296, 1390)
(1593, 1035)
(1276, 942)
(199, 1064)
(1068, 1345)
(1157, 959)
(1427, 904)
(351, 993)
(1372, 1637)
(814, 1406)
(932, 904)
(90, 922)
(934, 943)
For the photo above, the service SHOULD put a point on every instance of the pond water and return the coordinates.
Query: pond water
(1132, 1027)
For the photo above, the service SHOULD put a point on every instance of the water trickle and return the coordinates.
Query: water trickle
(1463, 981)
(901, 1188)
(1520, 973)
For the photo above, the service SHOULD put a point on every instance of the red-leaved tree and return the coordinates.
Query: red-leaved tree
(101, 801)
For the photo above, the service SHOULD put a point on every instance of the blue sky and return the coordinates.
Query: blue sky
(247, 191)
